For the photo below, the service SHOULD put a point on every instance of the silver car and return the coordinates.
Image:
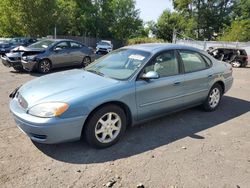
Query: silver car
(126, 87)
(53, 53)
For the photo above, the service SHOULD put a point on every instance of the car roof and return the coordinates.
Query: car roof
(226, 48)
(157, 47)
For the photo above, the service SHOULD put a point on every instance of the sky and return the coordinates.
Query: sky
(152, 9)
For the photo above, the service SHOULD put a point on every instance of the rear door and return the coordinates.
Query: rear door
(157, 96)
(76, 53)
(198, 75)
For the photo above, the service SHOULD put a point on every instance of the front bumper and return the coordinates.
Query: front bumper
(47, 130)
(29, 65)
(10, 63)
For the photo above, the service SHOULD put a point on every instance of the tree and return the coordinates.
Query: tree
(167, 23)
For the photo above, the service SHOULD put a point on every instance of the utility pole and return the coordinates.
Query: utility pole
(55, 32)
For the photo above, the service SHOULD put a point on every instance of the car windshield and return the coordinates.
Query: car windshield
(104, 43)
(42, 44)
(120, 64)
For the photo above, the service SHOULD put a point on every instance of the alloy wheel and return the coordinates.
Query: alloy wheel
(108, 127)
(214, 97)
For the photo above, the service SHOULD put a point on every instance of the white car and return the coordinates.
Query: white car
(104, 46)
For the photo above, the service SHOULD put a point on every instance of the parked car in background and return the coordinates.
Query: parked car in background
(125, 87)
(51, 53)
(7, 45)
(104, 47)
(237, 57)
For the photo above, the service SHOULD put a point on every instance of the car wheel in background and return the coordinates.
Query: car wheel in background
(86, 61)
(44, 66)
(236, 64)
(213, 99)
(105, 126)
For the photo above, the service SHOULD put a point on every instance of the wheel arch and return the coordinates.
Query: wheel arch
(120, 104)
(44, 58)
(222, 84)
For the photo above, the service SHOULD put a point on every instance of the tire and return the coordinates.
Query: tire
(236, 64)
(213, 99)
(99, 129)
(44, 66)
(18, 68)
(86, 61)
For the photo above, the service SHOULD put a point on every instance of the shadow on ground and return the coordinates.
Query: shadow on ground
(150, 135)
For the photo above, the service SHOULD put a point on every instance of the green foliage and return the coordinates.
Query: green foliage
(142, 40)
(97, 18)
(238, 31)
(167, 23)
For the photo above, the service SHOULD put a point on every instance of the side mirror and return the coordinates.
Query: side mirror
(150, 75)
(57, 49)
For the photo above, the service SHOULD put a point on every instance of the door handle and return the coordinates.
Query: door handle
(176, 83)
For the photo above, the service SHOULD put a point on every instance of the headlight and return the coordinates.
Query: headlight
(30, 57)
(47, 110)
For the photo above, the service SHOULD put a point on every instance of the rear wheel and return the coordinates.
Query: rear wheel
(86, 61)
(213, 99)
(105, 127)
(236, 64)
(44, 66)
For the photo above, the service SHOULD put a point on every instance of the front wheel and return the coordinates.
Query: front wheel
(213, 99)
(44, 66)
(236, 64)
(105, 127)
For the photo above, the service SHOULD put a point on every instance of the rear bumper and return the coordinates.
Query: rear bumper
(29, 65)
(47, 130)
(228, 84)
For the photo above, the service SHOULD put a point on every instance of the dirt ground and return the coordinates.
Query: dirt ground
(189, 149)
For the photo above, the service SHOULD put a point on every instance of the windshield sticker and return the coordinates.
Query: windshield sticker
(136, 57)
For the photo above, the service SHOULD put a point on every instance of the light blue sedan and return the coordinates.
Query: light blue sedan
(126, 87)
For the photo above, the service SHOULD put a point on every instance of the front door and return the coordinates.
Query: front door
(61, 54)
(157, 96)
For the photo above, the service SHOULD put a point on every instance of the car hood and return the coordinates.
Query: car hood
(27, 49)
(63, 86)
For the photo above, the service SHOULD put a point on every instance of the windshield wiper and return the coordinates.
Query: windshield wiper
(96, 72)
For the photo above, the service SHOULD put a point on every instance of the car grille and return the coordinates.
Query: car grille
(15, 58)
(21, 101)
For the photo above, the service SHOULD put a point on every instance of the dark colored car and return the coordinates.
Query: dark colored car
(7, 46)
(235, 56)
(54, 53)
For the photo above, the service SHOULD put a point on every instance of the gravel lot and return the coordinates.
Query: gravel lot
(191, 148)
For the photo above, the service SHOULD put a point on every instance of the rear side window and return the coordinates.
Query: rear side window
(75, 45)
(193, 61)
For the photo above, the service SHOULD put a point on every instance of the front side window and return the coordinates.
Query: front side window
(165, 64)
(120, 64)
(192, 61)
(62, 45)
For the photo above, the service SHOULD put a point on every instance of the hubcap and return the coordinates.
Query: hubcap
(214, 98)
(45, 66)
(86, 61)
(108, 127)
(236, 64)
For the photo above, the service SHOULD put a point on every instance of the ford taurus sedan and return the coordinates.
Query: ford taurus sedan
(128, 86)
(52, 53)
